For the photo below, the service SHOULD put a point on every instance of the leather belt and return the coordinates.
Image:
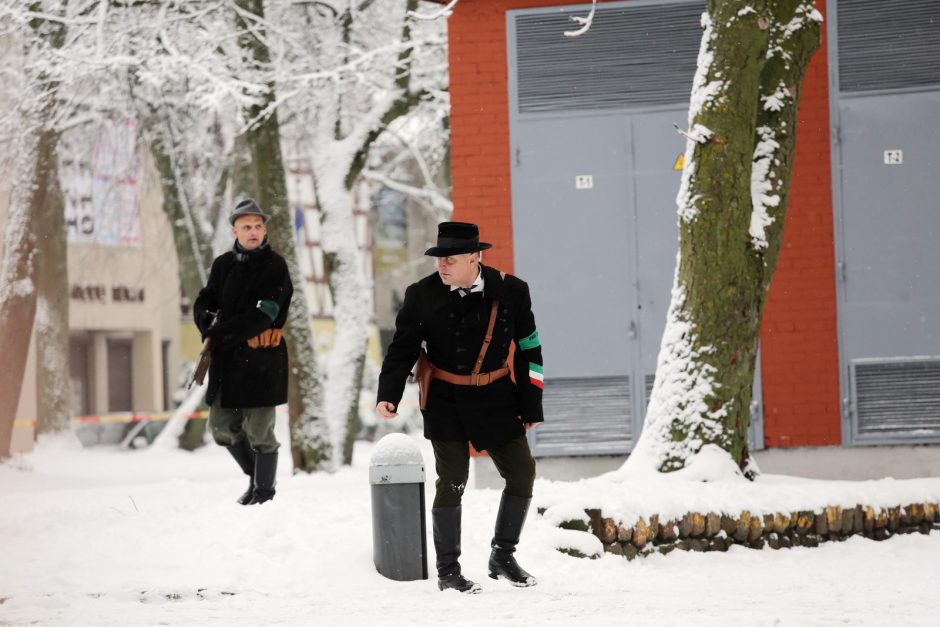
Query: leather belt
(476, 380)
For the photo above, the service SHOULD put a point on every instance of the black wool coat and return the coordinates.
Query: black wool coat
(241, 287)
(453, 328)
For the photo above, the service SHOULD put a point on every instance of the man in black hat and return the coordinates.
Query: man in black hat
(467, 315)
(242, 311)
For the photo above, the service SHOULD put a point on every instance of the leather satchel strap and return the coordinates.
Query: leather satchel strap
(486, 340)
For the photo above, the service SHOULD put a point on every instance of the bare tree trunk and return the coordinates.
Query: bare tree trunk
(35, 177)
(52, 314)
(193, 246)
(352, 419)
(310, 444)
(732, 206)
(351, 291)
(352, 309)
(36, 152)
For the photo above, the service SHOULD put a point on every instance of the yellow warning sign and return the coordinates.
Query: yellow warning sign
(680, 162)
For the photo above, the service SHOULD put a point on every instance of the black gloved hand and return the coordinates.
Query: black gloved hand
(203, 320)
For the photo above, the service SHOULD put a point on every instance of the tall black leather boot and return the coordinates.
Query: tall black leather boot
(265, 470)
(446, 524)
(509, 521)
(245, 457)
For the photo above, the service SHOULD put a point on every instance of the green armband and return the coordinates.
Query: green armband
(529, 342)
(269, 308)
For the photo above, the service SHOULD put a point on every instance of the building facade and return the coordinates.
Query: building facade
(564, 151)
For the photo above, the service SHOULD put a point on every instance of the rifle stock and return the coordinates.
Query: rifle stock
(205, 356)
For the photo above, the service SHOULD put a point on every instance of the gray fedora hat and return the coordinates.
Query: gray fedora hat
(247, 207)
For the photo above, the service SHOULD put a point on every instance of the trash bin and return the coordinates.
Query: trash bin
(399, 540)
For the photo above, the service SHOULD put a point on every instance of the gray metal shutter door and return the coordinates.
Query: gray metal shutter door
(888, 44)
(632, 56)
(897, 398)
(587, 417)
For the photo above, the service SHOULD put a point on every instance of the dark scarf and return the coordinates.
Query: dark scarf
(243, 255)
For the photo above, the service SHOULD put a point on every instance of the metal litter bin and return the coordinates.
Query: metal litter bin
(399, 541)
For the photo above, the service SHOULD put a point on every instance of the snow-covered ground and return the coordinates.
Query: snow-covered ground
(154, 537)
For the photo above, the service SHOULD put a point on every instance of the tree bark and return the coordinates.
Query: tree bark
(352, 307)
(53, 382)
(35, 152)
(35, 175)
(349, 286)
(732, 207)
(310, 444)
(193, 247)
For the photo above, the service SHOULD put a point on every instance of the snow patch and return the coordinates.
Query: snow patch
(711, 463)
(776, 100)
(704, 93)
(396, 448)
(105, 537)
(583, 542)
(761, 186)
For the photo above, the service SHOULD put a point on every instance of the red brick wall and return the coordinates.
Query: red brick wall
(479, 131)
(800, 355)
(798, 337)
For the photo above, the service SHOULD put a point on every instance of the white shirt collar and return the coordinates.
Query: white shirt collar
(477, 284)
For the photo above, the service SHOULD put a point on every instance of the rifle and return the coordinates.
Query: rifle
(205, 356)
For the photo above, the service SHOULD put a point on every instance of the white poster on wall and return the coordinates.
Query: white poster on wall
(99, 173)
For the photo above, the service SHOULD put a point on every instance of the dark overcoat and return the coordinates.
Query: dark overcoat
(453, 328)
(252, 291)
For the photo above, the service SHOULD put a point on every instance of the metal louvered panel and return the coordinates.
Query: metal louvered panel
(585, 417)
(648, 380)
(632, 56)
(898, 398)
(888, 44)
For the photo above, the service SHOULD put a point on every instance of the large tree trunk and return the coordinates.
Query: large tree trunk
(352, 310)
(36, 154)
(337, 170)
(34, 177)
(52, 314)
(310, 444)
(732, 206)
(193, 246)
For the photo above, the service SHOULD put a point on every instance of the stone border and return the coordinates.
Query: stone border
(718, 532)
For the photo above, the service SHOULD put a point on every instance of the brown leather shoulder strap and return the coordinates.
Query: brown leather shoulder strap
(489, 336)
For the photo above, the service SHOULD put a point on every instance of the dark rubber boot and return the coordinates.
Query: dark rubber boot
(446, 522)
(246, 460)
(265, 471)
(509, 521)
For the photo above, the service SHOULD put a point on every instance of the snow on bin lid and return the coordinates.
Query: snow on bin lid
(396, 459)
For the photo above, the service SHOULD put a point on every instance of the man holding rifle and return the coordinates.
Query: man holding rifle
(241, 313)
(469, 315)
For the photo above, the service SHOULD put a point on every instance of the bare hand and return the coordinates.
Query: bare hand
(530, 425)
(385, 409)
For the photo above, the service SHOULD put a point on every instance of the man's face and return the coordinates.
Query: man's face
(249, 231)
(459, 270)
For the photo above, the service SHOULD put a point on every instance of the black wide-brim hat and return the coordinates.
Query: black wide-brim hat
(457, 238)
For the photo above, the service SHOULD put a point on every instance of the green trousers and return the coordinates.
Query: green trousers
(513, 460)
(230, 426)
